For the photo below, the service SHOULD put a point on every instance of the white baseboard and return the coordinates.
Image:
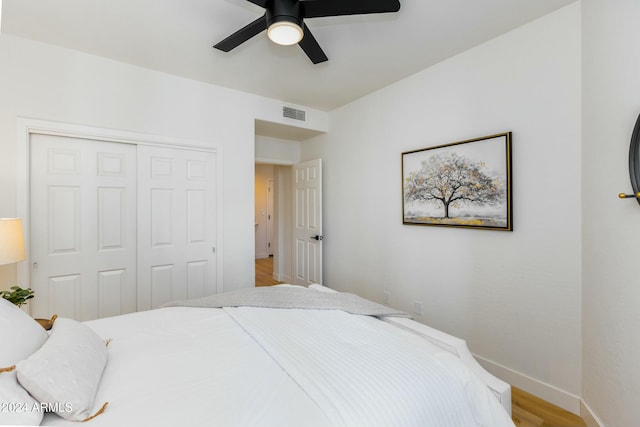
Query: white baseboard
(282, 278)
(262, 255)
(588, 416)
(561, 398)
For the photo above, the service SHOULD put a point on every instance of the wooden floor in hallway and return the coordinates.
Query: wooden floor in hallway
(264, 272)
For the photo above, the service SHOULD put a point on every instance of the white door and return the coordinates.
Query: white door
(307, 223)
(176, 225)
(82, 227)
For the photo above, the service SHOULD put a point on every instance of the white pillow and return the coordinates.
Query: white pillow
(21, 337)
(65, 373)
(20, 334)
(18, 407)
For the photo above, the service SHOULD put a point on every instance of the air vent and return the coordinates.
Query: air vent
(292, 113)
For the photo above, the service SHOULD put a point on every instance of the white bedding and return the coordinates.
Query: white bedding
(180, 366)
(184, 367)
(366, 373)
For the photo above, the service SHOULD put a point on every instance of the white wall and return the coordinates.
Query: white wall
(51, 83)
(277, 151)
(611, 229)
(515, 297)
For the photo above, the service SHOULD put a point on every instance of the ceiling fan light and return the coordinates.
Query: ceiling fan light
(285, 33)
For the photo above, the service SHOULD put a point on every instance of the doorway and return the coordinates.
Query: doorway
(272, 224)
(296, 218)
(279, 146)
(278, 261)
(264, 211)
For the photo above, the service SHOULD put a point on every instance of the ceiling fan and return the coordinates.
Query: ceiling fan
(283, 20)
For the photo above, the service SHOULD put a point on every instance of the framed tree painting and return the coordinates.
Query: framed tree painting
(462, 184)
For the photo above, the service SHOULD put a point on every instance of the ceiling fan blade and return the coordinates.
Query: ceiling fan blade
(262, 3)
(243, 34)
(320, 8)
(311, 47)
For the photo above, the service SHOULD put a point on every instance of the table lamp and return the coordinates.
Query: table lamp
(11, 241)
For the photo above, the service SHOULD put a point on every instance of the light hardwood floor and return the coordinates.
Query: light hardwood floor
(527, 410)
(264, 272)
(531, 411)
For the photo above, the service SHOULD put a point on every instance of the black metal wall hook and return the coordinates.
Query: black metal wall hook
(629, 196)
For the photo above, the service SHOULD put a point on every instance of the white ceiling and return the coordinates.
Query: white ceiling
(366, 52)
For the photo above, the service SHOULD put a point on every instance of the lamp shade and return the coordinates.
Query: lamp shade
(11, 241)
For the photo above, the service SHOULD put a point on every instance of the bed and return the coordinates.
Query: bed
(249, 364)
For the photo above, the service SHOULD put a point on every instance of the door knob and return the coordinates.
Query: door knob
(317, 237)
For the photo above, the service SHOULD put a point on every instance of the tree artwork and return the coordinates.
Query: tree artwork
(453, 180)
(465, 184)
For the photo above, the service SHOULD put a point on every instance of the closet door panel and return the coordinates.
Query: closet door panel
(176, 225)
(82, 227)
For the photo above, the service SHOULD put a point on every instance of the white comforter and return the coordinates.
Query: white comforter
(246, 366)
(364, 372)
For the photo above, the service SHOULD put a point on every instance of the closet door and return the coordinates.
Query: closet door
(176, 225)
(82, 227)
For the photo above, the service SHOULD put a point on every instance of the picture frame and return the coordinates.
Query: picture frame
(465, 184)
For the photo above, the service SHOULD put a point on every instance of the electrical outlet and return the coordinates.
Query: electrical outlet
(417, 308)
(386, 297)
